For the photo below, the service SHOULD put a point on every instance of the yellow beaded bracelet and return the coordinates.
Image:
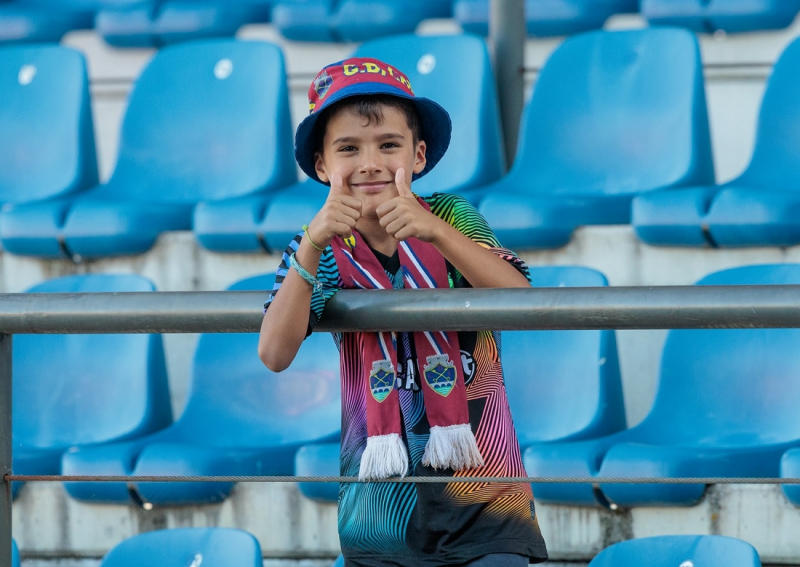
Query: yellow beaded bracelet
(305, 230)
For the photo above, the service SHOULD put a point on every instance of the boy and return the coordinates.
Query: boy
(423, 403)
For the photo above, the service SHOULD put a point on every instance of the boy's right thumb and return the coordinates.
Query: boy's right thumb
(336, 184)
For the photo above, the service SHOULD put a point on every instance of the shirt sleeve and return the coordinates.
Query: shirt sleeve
(461, 215)
(327, 274)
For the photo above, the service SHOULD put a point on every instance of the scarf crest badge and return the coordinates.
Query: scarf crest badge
(381, 379)
(440, 374)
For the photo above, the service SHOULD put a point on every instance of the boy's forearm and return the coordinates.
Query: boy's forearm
(284, 326)
(480, 266)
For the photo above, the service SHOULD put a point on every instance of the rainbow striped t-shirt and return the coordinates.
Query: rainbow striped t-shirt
(431, 524)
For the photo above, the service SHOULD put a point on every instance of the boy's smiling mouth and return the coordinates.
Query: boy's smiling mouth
(370, 186)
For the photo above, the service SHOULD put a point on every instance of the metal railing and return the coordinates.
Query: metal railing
(680, 307)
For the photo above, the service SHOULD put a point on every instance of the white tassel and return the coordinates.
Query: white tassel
(384, 456)
(452, 447)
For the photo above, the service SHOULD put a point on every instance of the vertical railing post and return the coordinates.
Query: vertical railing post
(507, 46)
(5, 449)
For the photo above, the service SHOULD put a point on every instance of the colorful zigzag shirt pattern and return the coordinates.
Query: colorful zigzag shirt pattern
(431, 524)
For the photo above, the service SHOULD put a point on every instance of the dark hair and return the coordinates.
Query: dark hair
(371, 108)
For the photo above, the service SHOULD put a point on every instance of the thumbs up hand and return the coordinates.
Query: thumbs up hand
(403, 217)
(339, 215)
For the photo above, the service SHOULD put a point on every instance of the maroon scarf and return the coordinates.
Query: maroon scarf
(451, 443)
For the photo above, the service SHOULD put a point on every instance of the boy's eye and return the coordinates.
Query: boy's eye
(347, 149)
(390, 145)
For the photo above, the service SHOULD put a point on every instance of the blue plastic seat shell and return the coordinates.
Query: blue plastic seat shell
(668, 551)
(613, 115)
(91, 389)
(181, 547)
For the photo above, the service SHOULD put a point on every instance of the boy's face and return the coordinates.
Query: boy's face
(367, 155)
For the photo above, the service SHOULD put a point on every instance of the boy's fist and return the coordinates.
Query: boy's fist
(337, 217)
(403, 216)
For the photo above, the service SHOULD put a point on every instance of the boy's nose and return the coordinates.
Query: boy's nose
(371, 164)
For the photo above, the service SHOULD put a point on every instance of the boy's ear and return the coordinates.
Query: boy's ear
(319, 167)
(419, 158)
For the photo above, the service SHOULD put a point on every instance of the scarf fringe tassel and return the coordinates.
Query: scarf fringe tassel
(452, 447)
(385, 456)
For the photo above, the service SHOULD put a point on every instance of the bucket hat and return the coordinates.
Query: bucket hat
(366, 76)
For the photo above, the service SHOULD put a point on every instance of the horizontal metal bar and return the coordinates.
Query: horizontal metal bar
(676, 307)
(407, 479)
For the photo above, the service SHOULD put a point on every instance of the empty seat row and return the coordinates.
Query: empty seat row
(222, 137)
(354, 20)
(163, 22)
(150, 23)
(724, 408)
(237, 548)
(616, 132)
(549, 18)
(101, 402)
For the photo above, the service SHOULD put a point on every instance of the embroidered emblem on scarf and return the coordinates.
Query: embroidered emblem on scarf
(381, 380)
(440, 374)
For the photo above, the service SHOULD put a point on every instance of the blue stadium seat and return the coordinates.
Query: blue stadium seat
(362, 20)
(240, 419)
(708, 16)
(128, 26)
(46, 136)
(613, 115)
(760, 207)
(320, 459)
(174, 21)
(546, 17)
(46, 21)
(187, 547)
(206, 120)
(305, 20)
(725, 407)
(672, 551)
(182, 20)
(354, 20)
(474, 158)
(14, 554)
(790, 468)
(37, 21)
(86, 389)
(571, 377)
(339, 561)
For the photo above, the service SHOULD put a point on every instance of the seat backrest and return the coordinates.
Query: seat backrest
(14, 554)
(679, 551)
(206, 120)
(46, 134)
(455, 72)
(730, 387)
(78, 389)
(709, 16)
(563, 384)
(776, 157)
(617, 113)
(187, 547)
(234, 399)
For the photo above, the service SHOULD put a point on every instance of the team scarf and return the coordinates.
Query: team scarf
(451, 443)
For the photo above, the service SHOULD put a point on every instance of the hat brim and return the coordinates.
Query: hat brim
(435, 128)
